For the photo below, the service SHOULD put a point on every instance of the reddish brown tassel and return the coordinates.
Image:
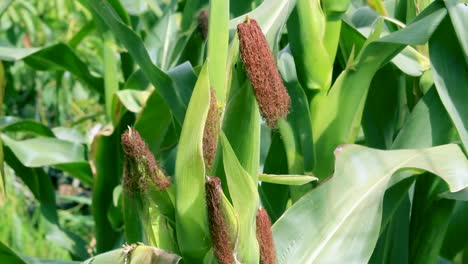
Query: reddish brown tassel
(211, 132)
(261, 69)
(137, 156)
(265, 238)
(223, 249)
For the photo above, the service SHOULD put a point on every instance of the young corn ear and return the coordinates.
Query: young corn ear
(203, 23)
(265, 238)
(135, 253)
(261, 69)
(211, 132)
(219, 230)
(140, 167)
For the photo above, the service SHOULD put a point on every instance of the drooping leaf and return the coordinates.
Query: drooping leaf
(46, 59)
(348, 207)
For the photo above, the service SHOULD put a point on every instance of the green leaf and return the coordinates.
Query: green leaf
(65, 155)
(306, 29)
(191, 215)
(298, 119)
(14, 124)
(450, 73)
(287, 179)
(162, 40)
(456, 237)
(167, 87)
(46, 59)
(106, 156)
(245, 200)
(427, 205)
(7, 255)
(37, 152)
(111, 79)
(458, 13)
(336, 115)
(135, 254)
(334, 212)
(274, 197)
(153, 132)
(218, 38)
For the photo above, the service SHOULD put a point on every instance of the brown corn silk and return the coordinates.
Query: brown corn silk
(265, 238)
(140, 167)
(263, 74)
(211, 132)
(223, 248)
(203, 23)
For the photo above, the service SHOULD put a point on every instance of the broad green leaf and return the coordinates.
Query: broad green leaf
(2, 174)
(450, 73)
(334, 213)
(133, 254)
(427, 205)
(166, 86)
(106, 157)
(111, 79)
(306, 29)
(456, 237)
(245, 200)
(243, 131)
(38, 152)
(393, 243)
(274, 197)
(153, 132)
(458, 13)
(191, 215)
(298, 117)
(7, 255)
(218, 38)
(14, 124)
(381, 111)
(161, 41)
(427, 125)
(336, 116)
(287, 179)
(46, 59)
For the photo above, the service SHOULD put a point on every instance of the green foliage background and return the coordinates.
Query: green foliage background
(369, 166)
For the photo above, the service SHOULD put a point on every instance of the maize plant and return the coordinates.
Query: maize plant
(216, 131)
